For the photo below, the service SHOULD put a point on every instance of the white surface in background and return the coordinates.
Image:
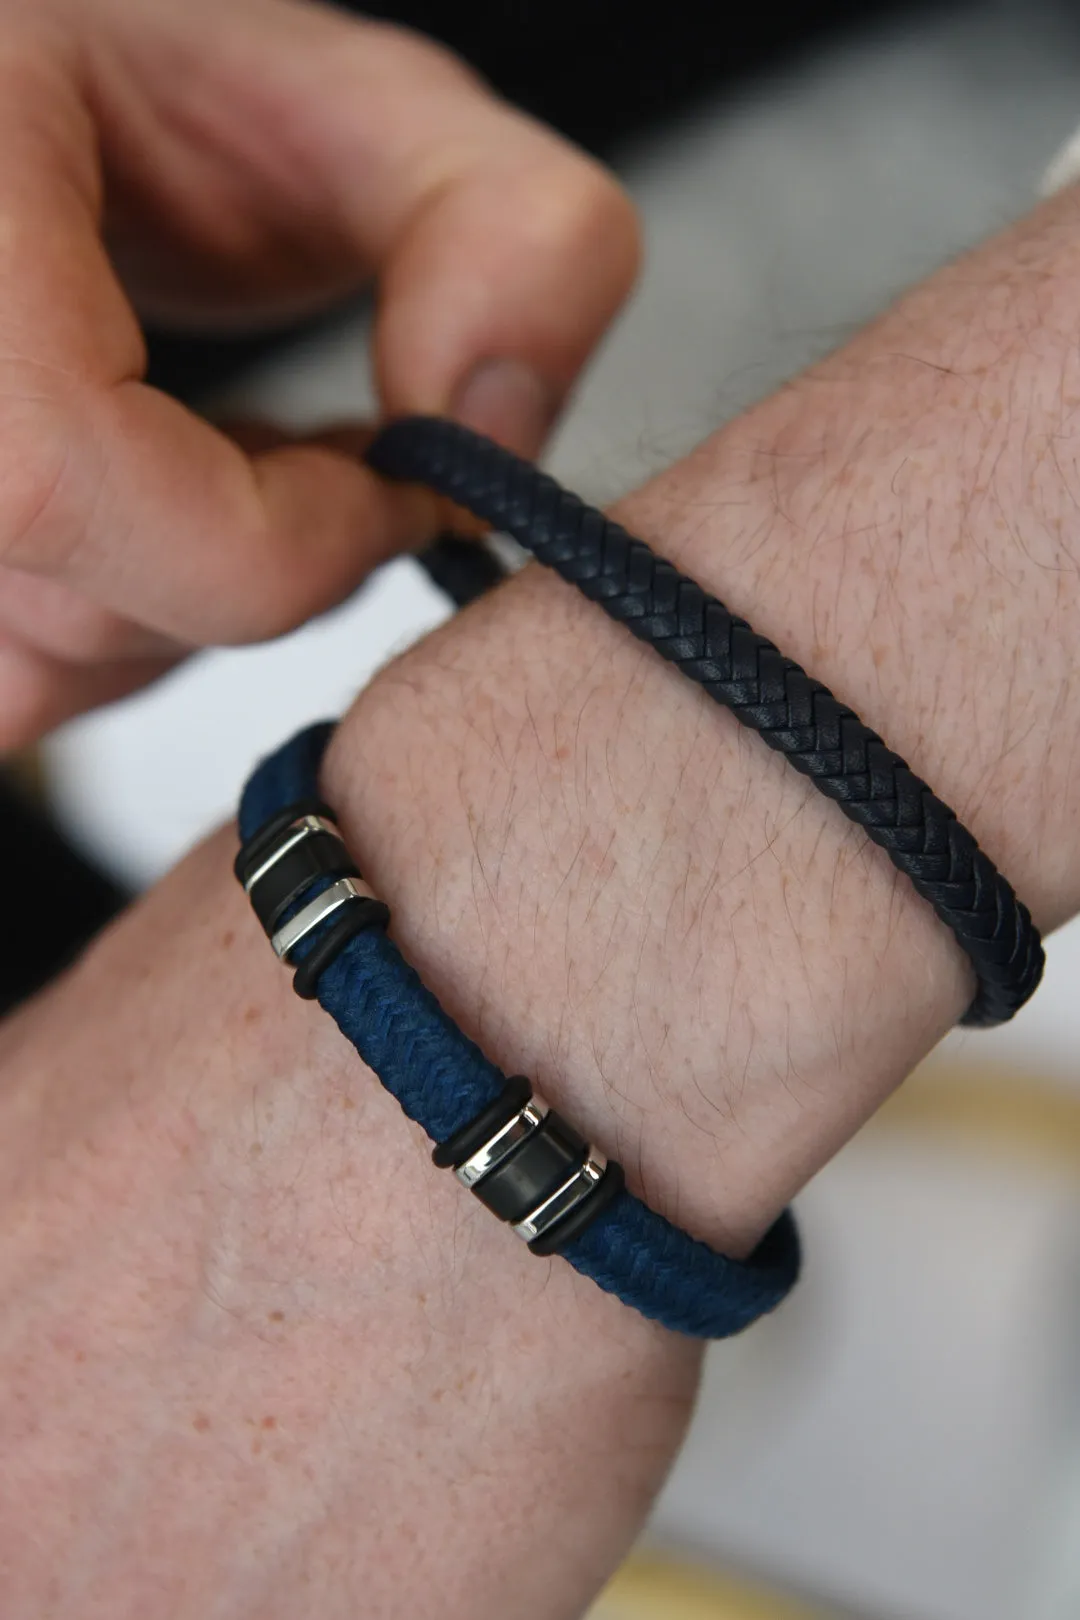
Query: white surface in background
(916, 1412)
(140, 782)
(897, 1435)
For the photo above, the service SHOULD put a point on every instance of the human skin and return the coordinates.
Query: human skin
(257, 1357)
(226, 164)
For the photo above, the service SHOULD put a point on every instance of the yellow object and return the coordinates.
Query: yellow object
(655, 1586)
(1000, 1112)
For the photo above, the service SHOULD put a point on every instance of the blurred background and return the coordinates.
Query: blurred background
(902, 1441)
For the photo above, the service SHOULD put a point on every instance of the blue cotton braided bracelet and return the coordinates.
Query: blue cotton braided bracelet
(518, 1156)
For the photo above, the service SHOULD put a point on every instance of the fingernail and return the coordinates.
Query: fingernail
(509, 402)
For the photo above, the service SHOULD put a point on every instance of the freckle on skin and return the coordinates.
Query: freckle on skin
(269, 1421)
(200, 1422)
(276, 1316)
(227, 938)
(255, 1150)
(252, 1014)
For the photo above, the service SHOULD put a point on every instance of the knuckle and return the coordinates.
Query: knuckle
(614, 217)
(587, 214)
(38, 526)
(605, 204)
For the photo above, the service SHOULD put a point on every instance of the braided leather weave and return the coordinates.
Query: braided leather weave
(771, 694)
(443, 1081)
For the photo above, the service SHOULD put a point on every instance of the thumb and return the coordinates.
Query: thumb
(501, 252)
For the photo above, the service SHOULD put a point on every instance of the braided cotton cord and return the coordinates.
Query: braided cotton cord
(793, 713)
(443, 1081)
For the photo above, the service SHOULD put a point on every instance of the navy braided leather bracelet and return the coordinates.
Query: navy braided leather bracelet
(771, 694)
(524, 1162)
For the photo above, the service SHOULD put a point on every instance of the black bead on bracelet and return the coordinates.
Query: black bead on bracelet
(292, 854)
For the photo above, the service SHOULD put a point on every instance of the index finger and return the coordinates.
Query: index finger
(105, 483)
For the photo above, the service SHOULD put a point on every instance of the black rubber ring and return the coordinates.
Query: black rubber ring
(604, 1194)
(464, 1143)
(359, 914)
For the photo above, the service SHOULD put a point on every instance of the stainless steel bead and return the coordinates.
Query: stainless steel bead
(503, 1143)
(303, 827)
(564, 1198)
(324, 905)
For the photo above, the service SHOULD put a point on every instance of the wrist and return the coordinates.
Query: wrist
(637, 907)
(615, 864)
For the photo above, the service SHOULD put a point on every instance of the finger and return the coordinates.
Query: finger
(61, 309)
(502, 252)
(351, 439)
(50, 610)
(133, 500)
(58, 621)
(38, 693)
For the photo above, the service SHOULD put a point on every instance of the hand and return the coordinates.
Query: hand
(233, 162)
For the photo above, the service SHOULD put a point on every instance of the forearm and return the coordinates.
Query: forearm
(258, 1360)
